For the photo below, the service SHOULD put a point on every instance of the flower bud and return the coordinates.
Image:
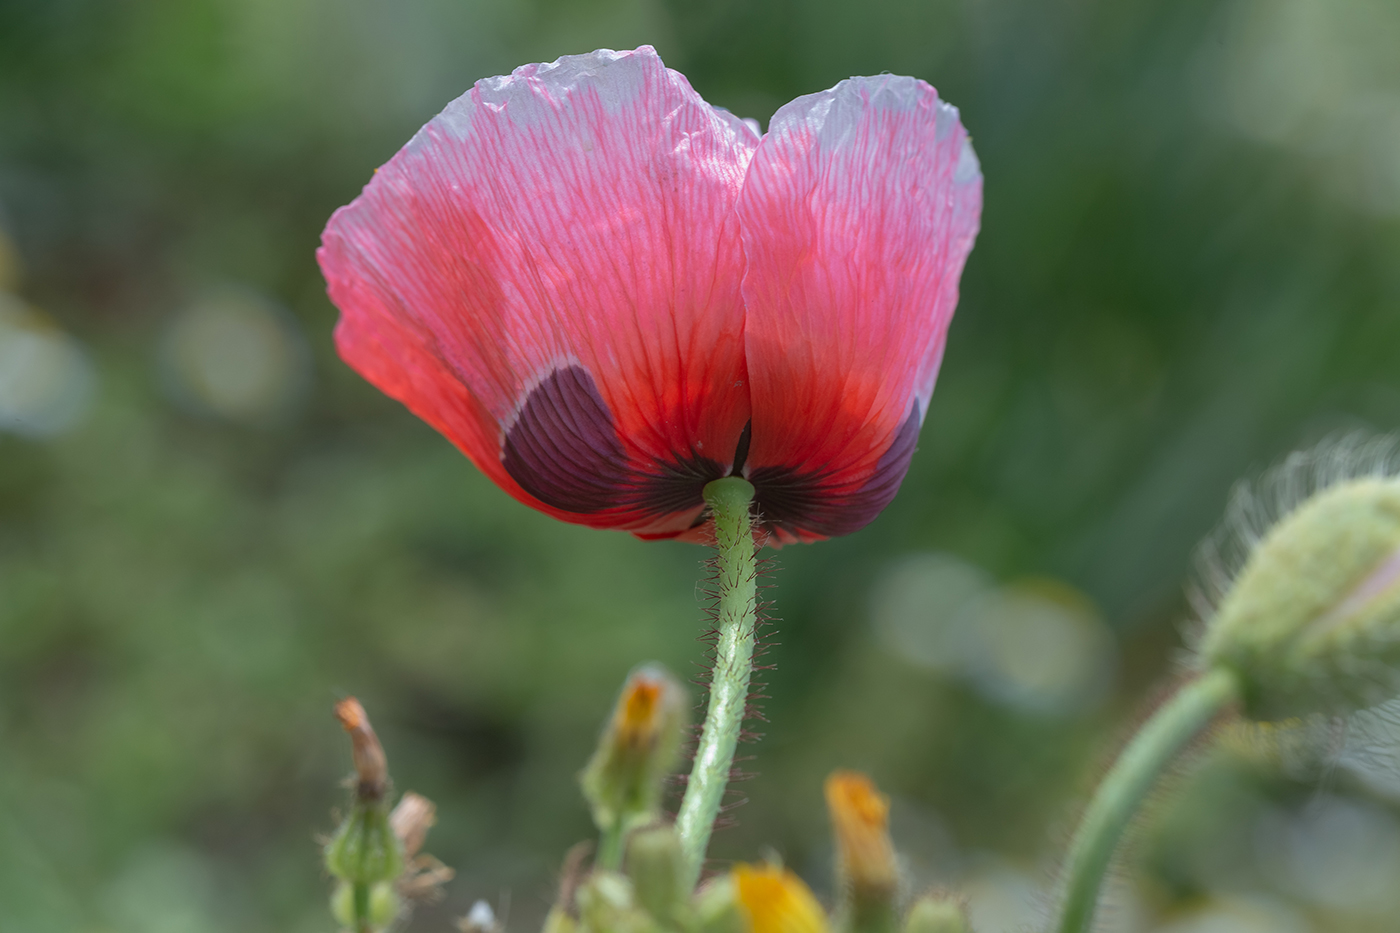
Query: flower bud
(777, 901)
(559, 921)
(717, 908)
(934, 914)
(384, 905)
(860, 816)
(365, 850)
(608, 904)
(1312, 623)
(638, 749)
(656, 866)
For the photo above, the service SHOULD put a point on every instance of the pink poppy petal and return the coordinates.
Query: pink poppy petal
(548, 273)
(858, 212)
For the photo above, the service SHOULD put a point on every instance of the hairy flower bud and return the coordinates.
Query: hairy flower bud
(1312, 623)
(607, 903)
(777, 901)
(717, 908)
(656, 866)
(365, 849)
(383, 905)
(860, 816)
(559, 921)
(936, 914)
(639, 747)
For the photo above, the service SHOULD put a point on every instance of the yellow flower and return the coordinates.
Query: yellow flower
(777, 901)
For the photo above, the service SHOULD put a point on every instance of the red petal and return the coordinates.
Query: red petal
(858, 212)
(548, 273)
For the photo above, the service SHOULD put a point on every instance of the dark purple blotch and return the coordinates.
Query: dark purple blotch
(563, 449)
(806, 501)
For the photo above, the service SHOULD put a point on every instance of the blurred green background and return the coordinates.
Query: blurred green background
(210, 529)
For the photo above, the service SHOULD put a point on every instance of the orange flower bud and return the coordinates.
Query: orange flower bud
(860, 814)
(777, 901)
(639, 747)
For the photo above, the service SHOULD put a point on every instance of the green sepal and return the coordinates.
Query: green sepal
(364, 849)
(934, 914)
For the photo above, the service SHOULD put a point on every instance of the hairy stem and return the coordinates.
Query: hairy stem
(1175, 724)
(729, 501)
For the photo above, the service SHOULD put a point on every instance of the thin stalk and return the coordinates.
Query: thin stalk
(873, 912)
(610, 846)
(1174, 725)
(362, 922)
(729, 501)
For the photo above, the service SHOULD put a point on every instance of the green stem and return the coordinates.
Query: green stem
(1169, 730)
(362, 922)
(610, 846)
(729, 501)
(873, 912)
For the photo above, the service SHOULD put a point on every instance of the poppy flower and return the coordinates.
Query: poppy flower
(607, 292)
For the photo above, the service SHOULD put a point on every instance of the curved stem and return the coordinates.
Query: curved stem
(729, 501)
(1178, 721)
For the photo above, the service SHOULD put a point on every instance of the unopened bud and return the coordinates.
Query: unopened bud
(656, 866)
(860, 815)
(1312, 624)
(717, 908)
(934, 914)
(364, 849)
(559, 921)
(607, 902)
(774, 900)
(382, 905)
(638, 749)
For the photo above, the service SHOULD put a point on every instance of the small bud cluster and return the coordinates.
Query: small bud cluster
(649, 894)
(645, 890)
(374, 854)
(640, 880)
(1307, 623)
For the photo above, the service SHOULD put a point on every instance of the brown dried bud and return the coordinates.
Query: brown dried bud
(411, 819)
(371, 767)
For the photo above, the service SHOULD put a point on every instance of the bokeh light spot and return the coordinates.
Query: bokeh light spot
(46, 379)
(233, 354)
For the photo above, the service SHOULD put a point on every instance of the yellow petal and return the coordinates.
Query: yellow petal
(777, 901)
